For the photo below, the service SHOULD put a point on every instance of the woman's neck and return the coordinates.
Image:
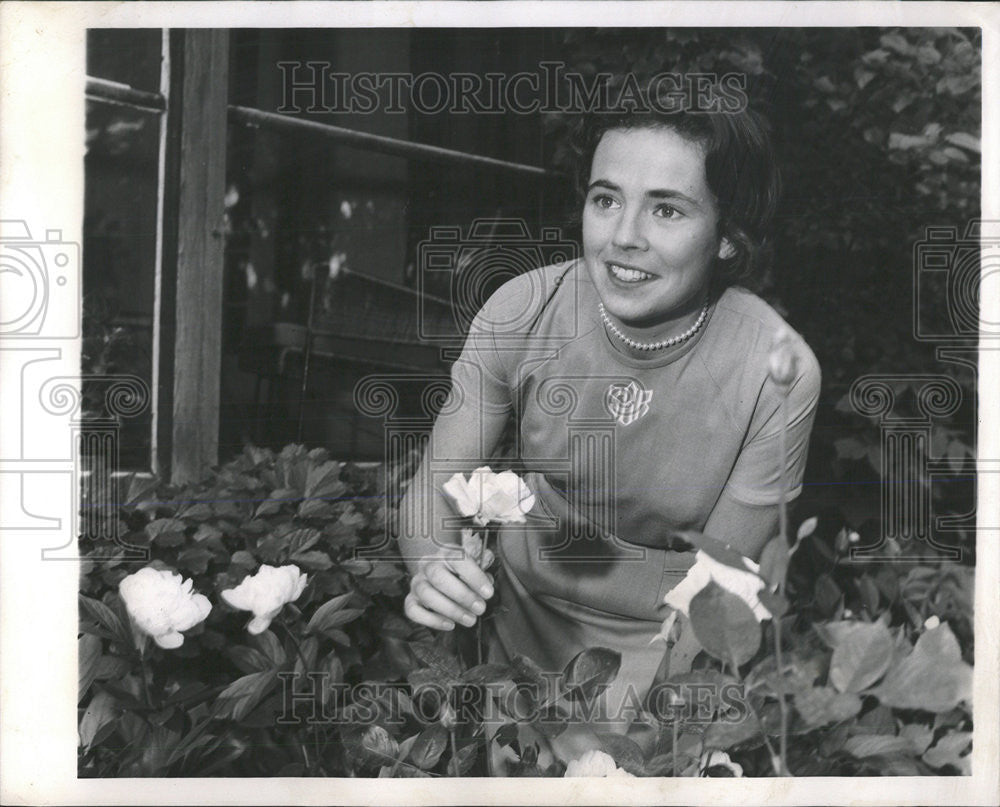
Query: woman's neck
(679, 328)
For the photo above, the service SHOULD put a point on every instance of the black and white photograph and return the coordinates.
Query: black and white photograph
(490, 391)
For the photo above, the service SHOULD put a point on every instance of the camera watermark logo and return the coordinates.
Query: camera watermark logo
(466, 268)
(953, 272)
(907, 465)
(39, 284)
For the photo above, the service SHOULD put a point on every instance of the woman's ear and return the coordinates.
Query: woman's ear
(726, 249)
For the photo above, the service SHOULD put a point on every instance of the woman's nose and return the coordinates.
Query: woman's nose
(628, 234)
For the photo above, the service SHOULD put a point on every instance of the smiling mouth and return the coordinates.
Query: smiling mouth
(627, 274)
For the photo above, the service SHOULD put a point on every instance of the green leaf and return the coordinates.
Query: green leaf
(357, 566)
(486, 674)
(589, 670)
(106, 619)
(103, 709)
(863, 746)
(933, 677)
(371, 746)
(965, 140)
(948, 751)
(826, 594)
(551, 721)
(139, 489)
(89, 649)
(273, 503)
(441, 661)
(506, 734)
(326, 615)
(206, 532)
(314, 508)
(777, 604)
(194, 559)
(821, 705)
(724, 625)
(323, 481)
(429, 746)
(774, 562)
(879, 720)
(243, 558)
(918, 734)
(723, 735)
(896, 42)
(626, 752)
(460, 764)
(269, 645)
(166, 531)
(861, 656)
(869, 592)
(956, 455)
(314, 560)
(238, 699)
(301, 539)
(249, 659)
(197, 511)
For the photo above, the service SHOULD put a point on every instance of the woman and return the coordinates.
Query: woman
(638, 380)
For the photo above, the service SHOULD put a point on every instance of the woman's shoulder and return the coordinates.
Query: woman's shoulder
(745, 319)
(518, 302)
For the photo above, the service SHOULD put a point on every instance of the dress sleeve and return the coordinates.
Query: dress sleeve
(756, 475)
(479, 376)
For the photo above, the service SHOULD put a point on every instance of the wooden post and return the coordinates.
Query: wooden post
(189, 273)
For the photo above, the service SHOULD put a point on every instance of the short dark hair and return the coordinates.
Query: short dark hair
(739, 165)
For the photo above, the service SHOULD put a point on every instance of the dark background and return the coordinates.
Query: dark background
(877, 137)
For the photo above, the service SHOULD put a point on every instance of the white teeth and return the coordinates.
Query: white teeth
(628, 275)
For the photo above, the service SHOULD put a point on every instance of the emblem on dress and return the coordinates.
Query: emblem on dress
(628, 402)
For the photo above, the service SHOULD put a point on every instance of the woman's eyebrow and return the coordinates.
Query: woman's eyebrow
(602, 183)
(666, 193)
(655, 193)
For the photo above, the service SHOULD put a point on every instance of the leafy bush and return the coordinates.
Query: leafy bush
(874, 676)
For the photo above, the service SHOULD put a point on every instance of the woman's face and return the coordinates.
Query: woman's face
(650, 225)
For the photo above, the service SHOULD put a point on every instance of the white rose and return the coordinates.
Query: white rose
(488, 496)
(266, 593)
(161, 604)
(595, 763)
(745, 585)
(719, 759)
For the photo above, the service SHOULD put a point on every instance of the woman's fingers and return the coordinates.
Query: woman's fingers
(417, 613)
(430, 597)
(447, 579)
(475, 578)
(449, 588)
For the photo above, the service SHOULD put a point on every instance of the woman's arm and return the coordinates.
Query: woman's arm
(745, 527)
(746, 514)
(446, 587)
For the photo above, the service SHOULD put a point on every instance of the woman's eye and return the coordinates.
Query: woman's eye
(667, 212)
(604, 202)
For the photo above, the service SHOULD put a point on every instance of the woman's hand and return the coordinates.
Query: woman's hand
(447, 588)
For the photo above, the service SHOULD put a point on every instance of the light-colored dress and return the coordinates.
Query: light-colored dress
(621, 452)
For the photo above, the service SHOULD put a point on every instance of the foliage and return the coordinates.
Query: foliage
(876, 668)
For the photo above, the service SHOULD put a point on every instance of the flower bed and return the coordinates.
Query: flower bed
(254, 639)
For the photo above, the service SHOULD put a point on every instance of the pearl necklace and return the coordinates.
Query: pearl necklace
(674, 340)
